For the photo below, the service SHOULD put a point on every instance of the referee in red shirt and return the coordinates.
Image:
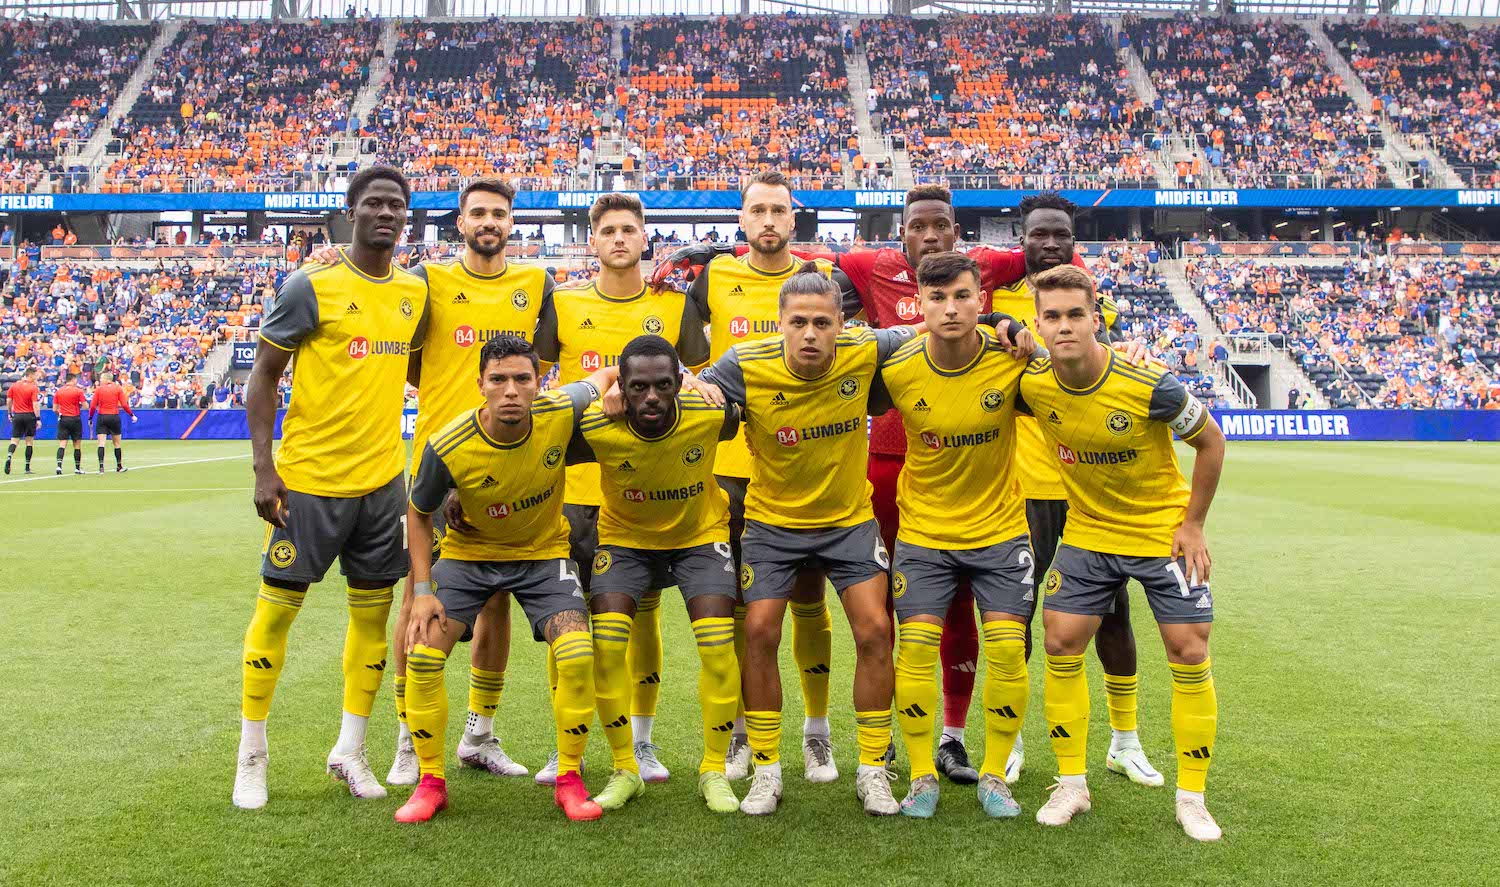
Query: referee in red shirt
(109, 400)
(21, 398)
(69, 401)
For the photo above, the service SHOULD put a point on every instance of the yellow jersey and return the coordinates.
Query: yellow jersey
(959, 488)
(351, 337)
(659, 493)
(466, 310)
(511, 493)
(739, 303)
(1113, 440)
(583, 330)
(808, 436)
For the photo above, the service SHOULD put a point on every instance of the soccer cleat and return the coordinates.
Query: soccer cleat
(922, 800)
(1014, 762)
(487, 755)
(121, 469)
(404, 769)
(7, 468)
(873, 787)
(817, 756)
(1068, 800)
(764, 794)
(996, 799)
(953, 762)
(1196, 821)
(548, 774)
(622, 788)
(355, 770)
(714, 788)
(79, 471)
(890, 755)
(59, 469)
(28, 470)
(737, 759)
(250, 781)
(651, 768)
(574, 800)
(1131, 762)
(430, 799)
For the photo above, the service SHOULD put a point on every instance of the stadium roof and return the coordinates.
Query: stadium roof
(152, 9)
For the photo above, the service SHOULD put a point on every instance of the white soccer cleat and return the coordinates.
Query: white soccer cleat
(1131, 762)
(1014, 762)
(817, 757)
(548, 774)
(873, 787)
(405, 770)
(487, 755)
(651, 768)
(764, 794)
(1196, 821)
(737, 759)
(250, 781)
(354, 769)
(1068, 800)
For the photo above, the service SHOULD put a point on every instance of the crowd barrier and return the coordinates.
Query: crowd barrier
(1417, 425)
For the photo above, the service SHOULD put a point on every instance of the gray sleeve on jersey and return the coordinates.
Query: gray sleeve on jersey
(729, 376)
(1021, 405)
(579, 450)
(731, 422)
(546, 344)
(888, 340)
(420, 270)
(1173, 404)
(692, 342)
(698, 292)
(294, 313)
(432, 484)
(581, 394)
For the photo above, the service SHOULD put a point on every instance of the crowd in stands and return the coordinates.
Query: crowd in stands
(1437, 79)
(1260, 99)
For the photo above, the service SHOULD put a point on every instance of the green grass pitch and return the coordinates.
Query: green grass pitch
(1356, 656)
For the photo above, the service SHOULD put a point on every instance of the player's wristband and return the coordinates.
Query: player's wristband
(422, 589)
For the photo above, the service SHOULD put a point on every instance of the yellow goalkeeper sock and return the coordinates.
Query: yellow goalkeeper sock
(645, 657)
(1120, 692)
(573, 700)
(612, 685)
(872, 730)
(812, 648)
(1067, 709)
(718, 688)
(917, 692)
(427, 706)
(485, 688)
(265, 648)
(1195, 722)
(1006, 692)
(365, 646)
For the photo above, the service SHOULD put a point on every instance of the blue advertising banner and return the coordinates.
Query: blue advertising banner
(244, 356)
(581, 200)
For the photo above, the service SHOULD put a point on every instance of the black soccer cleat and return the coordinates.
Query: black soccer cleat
(890, 755)
(953, 762)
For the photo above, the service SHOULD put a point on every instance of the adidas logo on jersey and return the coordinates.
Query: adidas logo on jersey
(1054, 418)
(460, 299)
(586, 325)
(488, 482)
(902, 277)
(626, 466)
(779, 400)
(922, 406)
(737, 291)
(352, 309)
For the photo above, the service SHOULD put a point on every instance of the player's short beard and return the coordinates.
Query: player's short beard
(780, 245)
(472, 244)
(1033, 271)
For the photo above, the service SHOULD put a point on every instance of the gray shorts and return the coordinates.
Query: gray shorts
(1085, 582)
(583, 533)
(926, 579)
(542, 588)
(702, 569)
(772, 557)
(366, 534)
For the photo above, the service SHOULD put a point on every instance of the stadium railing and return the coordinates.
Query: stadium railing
(1030, 181)
(1272, 249)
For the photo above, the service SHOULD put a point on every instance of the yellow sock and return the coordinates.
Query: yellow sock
(573, 700)
(265, 648)
(1067, 709)
(645, 656)
(365, 646)
(1007, 690)
(739, 653)
(764, 730)
(812, 648)
(1120, 691)
(718, 688)
(917, 692)
(1195, 722)
(427, 706)
(612, 685)
(401, 698)
(872, 729)
(485, 688)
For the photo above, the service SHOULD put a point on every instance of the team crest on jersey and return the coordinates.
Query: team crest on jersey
(1118, 422)
(898, 585)
(283, 554)
(848, 388)
(992, 400)
(602, 561)
(1052, 583)
(519, 300)
(747, 576)
(652, 325)
(692, 455)
(406, 310)
(553, 457)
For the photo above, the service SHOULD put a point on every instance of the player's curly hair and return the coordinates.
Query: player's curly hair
(1046, 200)
(508, 345)
(939, 193)
(810, 280)
(365, 177)
(940, 269)
(646, 346)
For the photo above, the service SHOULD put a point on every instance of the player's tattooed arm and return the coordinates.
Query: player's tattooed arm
(564, 622)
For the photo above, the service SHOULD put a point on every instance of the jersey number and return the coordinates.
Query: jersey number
(566, 574)
(1182, 584)
(1025, 559)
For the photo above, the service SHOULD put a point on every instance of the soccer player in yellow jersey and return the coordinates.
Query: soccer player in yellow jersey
(335, 488)
(505, 460)
(961, 519)
(663, 522)
(584, 330)
(739, 297)
(1132, 515)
